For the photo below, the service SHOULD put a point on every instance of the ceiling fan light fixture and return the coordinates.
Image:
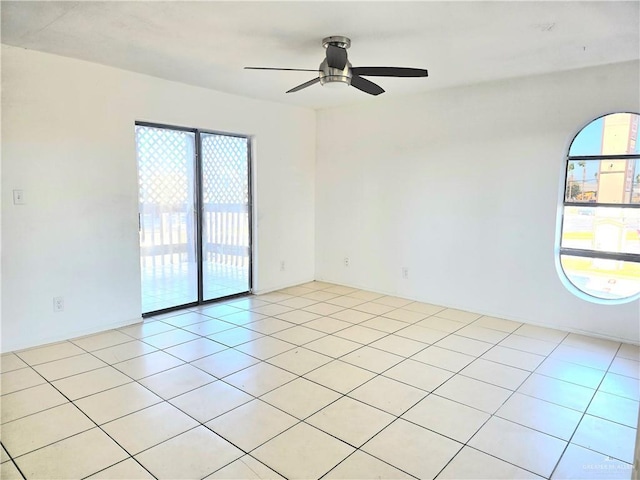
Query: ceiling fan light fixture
(336, 83)
(335, 80)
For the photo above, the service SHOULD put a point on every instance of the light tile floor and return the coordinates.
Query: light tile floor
(323, 381)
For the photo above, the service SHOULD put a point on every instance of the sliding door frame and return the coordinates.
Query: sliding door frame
(198, 210)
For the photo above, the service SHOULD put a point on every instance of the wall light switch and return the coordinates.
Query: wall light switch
(18, 197)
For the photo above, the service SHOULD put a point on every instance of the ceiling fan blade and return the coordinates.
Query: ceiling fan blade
(336, 57)
(285, 69)
(365, 85)
(390, 71)
(304, 85)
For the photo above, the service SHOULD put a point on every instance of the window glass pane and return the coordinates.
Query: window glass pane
(614, 180)
(615, 134)
(611, 279)
(604, 229)
(589, 140)
(620, 134)
(635, 183)
(582, 180)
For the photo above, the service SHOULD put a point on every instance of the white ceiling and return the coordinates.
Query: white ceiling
(207, 43)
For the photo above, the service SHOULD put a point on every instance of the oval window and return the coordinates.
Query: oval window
(600, 237)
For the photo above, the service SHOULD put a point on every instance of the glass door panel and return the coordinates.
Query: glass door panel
(225, 215)
(168, 260)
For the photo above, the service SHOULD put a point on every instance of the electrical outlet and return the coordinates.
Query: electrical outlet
(58, 304)
(405, 273)
(282, 265)
(346, 261)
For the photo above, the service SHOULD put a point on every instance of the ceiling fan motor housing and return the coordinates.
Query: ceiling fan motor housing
(335, 75)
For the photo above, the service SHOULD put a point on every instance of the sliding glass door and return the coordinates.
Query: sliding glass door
(195, 224)
(168, 250)
(225, 211)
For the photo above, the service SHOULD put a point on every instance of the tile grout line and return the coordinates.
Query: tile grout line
(12, 461)
(179, 409)
(162, 401)
(365, 453)
(432, 393)
(167, 400)
(582, 418)
(582, 413)
(388, 334)
(78, 433)
(296, 345)
(405, 358)
(325, 406)
(492, 415)
(130, 413)
(185, 413)
(397, 417)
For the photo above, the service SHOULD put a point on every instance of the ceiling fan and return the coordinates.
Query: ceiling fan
(336, 69)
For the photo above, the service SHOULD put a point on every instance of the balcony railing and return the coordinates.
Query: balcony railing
(167, 234)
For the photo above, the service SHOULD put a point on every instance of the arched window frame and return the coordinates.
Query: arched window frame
(584, 252)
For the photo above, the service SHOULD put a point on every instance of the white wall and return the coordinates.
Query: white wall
(461, 186)
(68, 142)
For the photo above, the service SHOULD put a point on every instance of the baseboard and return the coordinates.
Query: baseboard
(11, 347)
(282, 286)
(82, 333)
(589, 333)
